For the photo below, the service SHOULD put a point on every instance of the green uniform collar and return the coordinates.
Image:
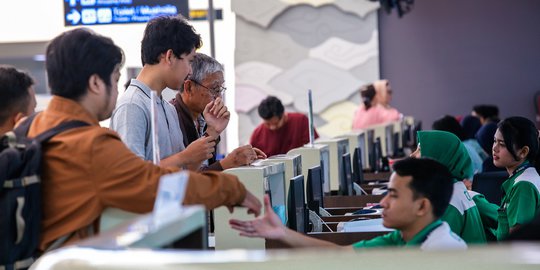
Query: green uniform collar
(420, 237)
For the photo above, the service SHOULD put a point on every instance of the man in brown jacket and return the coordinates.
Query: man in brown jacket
(88, 169)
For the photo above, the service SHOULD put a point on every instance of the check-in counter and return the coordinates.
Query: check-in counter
(496, 257)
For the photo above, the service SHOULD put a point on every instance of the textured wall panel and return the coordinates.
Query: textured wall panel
(248, 97)
(256, 72)
(360, 8)
(310, 26)
(368, 71)
(260, 12)
(284, 48)
(338, 118)
(257, 75)
(328, 83)
(344, 54)
(257, 44)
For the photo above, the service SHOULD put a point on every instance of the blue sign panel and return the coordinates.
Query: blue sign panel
(99, 12)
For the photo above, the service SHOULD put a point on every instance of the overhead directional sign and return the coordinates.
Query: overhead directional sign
(99, 12)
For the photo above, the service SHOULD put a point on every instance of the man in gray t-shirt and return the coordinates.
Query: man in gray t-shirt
(167, 49)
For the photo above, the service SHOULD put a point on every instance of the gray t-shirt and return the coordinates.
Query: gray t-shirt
(131, 119)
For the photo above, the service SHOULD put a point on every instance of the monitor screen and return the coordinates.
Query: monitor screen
(376, 156)
(296, 207)
(358, 169)
(370, 150)
(274, 187)
(342, 148)
(396, 149)
(406, 136)
(325, 167)
(389, 139)
(314, 189)
(345, 184)
(362, 145)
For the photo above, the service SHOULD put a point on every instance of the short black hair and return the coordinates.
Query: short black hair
(270, 107)
(518, 132)
(450, 124)
(165, 33)
(430, 179)
(490, 112)
(14, 95)
(74, 56)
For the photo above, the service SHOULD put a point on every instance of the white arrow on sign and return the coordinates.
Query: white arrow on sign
(74, 16)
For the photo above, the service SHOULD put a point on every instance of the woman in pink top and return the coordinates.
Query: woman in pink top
(376, 107)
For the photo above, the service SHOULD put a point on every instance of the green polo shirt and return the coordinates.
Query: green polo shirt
(488, 213)
(394, 238)
(463, 216)
(520, 202)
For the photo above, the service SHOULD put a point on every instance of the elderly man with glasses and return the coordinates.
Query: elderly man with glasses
(202, 113)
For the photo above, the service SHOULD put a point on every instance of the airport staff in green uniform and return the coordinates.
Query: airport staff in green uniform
(418, 194)
(462, 215)
(515, 148)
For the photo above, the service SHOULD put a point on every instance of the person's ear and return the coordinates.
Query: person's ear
(423, 207)
(187, 86)
(169, 55)
(95, 84)
(523, 152)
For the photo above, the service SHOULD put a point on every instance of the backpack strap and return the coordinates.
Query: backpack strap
(24, 127)
(45, 136)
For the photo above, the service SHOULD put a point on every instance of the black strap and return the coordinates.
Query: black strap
(45, 136)
(24, 127)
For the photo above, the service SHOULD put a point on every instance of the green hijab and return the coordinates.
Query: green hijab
(447, 149)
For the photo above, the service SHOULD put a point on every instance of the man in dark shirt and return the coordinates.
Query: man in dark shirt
(280, 131)
(200, 109)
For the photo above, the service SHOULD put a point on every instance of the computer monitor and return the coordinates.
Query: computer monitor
(315, 155)
(357, 138)
(296, 206)
(358, 170)
(376, 157)
(259, 180)
(389, 139)
(314, 189)
(337, 147)
(369, 153)
(293, 165)
(345, 184)
(396, 149)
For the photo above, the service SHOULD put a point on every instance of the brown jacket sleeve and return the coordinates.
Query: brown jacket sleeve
(130, 183)
(214, 189)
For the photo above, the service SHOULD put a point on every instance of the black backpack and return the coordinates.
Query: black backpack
(20, 193)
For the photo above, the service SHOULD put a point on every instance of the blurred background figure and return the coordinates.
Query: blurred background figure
(280, 131)
(375, 108)
(17, 97)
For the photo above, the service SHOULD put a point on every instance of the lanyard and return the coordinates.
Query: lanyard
(523, 166)
(162, 107)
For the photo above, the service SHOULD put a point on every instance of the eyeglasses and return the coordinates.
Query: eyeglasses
(216, 91)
